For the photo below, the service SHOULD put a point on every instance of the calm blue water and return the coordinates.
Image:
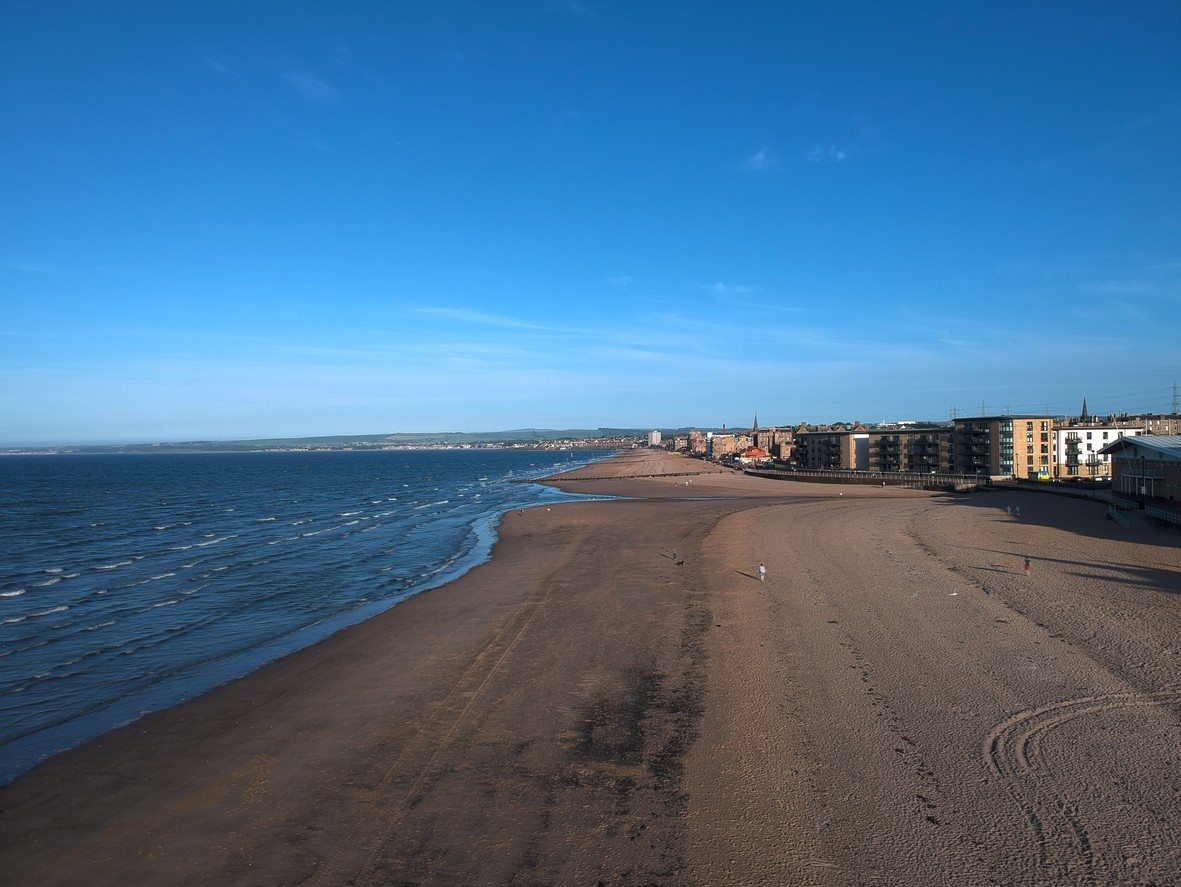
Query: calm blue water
(128, 583)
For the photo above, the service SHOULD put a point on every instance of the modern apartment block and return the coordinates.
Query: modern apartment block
(1005, 446)
(834, 449)
(1077, 448)
(926, 451)
(1025, 447)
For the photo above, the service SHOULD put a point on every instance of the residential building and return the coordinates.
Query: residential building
(784, 450)
(1161, 423)
(653, 438)
(1152, 423)
(1078, 446)
(722, 445)
(927, 450)
(1005, 446)
(833, 448)
(770, 439)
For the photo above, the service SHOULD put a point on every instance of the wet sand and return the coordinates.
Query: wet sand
(898, 703)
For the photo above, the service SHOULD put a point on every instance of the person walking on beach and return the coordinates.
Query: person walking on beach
(1028, 569)
(762, 573)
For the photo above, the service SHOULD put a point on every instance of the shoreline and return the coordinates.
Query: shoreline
(26, 751)
(585, 707)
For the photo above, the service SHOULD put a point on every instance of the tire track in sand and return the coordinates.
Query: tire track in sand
(1012, 752)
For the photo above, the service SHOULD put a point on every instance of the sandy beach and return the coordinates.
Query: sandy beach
(899, 702)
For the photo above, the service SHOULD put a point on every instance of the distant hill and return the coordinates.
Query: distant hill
(515, 437)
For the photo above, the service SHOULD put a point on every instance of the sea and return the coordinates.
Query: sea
(129, 583)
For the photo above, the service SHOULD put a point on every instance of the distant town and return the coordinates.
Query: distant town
(1139, 456)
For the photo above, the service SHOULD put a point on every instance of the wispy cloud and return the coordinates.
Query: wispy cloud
(728, 289)
(217, 63)
(827, 154)
(32, 268)
(1164, 113)
(622, 280)
(1121, 287)
(759, 161)
(308, 85)
(479, 317)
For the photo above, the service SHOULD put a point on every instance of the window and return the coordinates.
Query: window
(1045, 426)
(1029, 426)
(1045, 437)
(1088, 435)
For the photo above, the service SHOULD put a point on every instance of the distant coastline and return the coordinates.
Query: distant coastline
(523, 439)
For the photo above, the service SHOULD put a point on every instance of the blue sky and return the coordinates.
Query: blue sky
(225, 220)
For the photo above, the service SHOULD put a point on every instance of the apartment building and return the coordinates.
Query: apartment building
(1160, 423)
(927, 450)
(833, 448)
(1005, 446)
(1078, 447)
(770, 439)
(719, 446)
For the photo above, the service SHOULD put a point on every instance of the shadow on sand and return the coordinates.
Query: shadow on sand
(1082, 517)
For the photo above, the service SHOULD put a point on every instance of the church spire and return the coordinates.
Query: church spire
(755, 428)
(1085, 416)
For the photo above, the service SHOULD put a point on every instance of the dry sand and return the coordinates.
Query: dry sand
(898, 703)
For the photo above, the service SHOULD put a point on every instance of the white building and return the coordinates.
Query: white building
(653, 438)
(1077, 448)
